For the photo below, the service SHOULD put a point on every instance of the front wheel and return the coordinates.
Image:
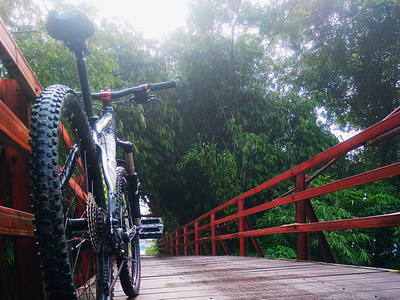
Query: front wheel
(66, 180)
(130, 254)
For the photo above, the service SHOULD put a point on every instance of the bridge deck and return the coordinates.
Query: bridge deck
(232, 277)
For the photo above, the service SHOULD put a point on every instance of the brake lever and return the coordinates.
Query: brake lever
(154, 98)
(142, 100)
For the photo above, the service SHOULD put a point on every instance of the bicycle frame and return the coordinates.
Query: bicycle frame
(106, 128)
(86, 205)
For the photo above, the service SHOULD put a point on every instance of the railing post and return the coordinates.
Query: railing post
(213, 234)
(177, 242)
(185, 241)
(196, 238)
(302, 240)
(167, 250)
(242, 240)
(171, 248)
(27, 262)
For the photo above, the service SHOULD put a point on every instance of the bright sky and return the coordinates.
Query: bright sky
(155, 18)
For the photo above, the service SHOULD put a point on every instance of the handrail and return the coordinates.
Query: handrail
(385, 129)
(338, 150)
(16, 222)
(16, 65)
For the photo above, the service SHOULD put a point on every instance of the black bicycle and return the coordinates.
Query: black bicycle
(86, 202)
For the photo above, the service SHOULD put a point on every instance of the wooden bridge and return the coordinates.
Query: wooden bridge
(176, 275)
(235, 277)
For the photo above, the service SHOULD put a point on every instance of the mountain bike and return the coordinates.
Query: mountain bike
(86, 201)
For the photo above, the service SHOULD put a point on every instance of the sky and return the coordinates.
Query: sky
(155, 18)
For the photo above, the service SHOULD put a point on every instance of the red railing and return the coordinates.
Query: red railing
(16, 226)
(188, 238)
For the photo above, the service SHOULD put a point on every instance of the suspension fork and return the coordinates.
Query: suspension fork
(133, 181)
(134, 188)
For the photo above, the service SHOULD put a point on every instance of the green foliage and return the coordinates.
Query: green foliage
(349, 51)
(250, 81)
(219, 167)
(153, 249)
(8, 269)
(357, 246)
(280, 252)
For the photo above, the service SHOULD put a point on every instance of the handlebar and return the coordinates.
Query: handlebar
(138, 91)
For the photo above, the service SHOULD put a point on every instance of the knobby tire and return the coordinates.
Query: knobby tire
(70, 264)
(131, 270)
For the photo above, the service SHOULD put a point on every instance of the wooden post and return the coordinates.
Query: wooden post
(171, 244)
(185, 241)
(177, 242)
(196, 238)
(29, 274)
(300, 206)
(242, 241)
(322, 241)
(213, 234)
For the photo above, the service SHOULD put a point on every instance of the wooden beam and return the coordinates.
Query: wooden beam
(16, 222)
(367, 177)
(12, 131)
(16, 65)
(388, 220)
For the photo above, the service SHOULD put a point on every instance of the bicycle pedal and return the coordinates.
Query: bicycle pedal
(151, 228)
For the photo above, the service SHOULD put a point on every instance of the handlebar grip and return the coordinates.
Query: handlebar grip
(162, 85)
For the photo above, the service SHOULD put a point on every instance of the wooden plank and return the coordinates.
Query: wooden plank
(12, 131)
(15, 222)
(234, 277)
(16, 65)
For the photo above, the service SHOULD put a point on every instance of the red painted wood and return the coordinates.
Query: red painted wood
(253, 239)
(242, 241)
(171, 244)
(302, 241)
(196, 238)
(185, 240)
(213, 234)
(338, 150)
(30, 283)
(322, 241)
(12, 131)
(388, 220)
(223, 243)
(16, 65)
(4, 178)
(16, 222)
(371, 176)
(177, 242)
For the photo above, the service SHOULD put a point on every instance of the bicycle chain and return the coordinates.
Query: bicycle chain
(97, 222)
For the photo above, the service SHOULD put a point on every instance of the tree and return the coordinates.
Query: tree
(348, 53)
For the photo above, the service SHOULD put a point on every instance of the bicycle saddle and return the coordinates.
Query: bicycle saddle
(73, 28)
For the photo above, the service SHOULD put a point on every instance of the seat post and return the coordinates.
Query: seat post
(85, 87)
